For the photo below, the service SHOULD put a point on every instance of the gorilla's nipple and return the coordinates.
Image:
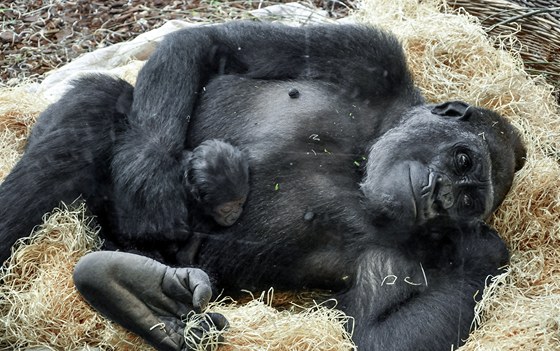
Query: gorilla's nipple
(308, 216)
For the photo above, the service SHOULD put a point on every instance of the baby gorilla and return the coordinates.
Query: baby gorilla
(217, 177)
(215, 174)
(75, 139)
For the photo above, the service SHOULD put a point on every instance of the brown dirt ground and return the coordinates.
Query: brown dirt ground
(38, 36)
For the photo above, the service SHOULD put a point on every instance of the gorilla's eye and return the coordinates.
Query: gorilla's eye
(463, 162)
(467, 201)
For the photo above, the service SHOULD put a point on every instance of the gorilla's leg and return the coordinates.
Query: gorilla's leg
(67, 156)
(146, 297)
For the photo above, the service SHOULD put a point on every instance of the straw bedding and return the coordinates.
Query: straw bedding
(536, 24)
(451, 57)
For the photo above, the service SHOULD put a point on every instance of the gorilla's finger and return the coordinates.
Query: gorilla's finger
(199, 284)
(201, 297)
(219, 320)
(204, 331)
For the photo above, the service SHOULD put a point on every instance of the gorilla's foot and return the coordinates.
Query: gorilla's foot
(148, 298)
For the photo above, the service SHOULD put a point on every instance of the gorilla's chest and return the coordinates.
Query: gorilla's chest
(284, 123)
(306, 140)
(306, 143)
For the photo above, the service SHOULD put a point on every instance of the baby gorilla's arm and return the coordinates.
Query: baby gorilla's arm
(145, 296)
(217, 174)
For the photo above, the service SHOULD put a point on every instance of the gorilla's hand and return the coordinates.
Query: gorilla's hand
(147, 297)
(483, 249)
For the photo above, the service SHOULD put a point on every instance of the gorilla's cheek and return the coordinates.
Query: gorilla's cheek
(395, 172)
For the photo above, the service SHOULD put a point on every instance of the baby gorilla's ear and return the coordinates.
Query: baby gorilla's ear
(186, 176)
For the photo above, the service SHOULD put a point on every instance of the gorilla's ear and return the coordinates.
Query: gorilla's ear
(454, 109)
(520, 151)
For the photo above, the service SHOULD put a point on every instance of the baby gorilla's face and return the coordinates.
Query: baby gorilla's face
(227, 213)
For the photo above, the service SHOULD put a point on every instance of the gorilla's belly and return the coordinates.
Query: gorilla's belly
(305, 155)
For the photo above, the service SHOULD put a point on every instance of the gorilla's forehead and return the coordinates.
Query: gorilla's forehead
(421, 125)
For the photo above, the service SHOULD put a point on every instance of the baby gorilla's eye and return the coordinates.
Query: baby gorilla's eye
(463, 162)
(225, 209)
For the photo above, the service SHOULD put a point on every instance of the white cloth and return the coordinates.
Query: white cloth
(125, 59)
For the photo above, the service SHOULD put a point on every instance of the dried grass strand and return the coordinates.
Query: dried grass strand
(451, 57)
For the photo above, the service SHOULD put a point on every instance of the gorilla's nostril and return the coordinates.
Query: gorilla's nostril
(445, 195)
(442, 191)
(437, 194)
(428, 189)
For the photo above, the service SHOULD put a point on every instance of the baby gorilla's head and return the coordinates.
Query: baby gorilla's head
(217, 176)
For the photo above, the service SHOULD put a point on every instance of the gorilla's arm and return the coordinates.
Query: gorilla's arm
(364, 62)
(145, 296)
(400, 305)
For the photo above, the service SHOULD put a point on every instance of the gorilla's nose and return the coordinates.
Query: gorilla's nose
(444, 191)
(439, 192)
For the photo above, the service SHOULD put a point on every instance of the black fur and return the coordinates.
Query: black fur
(69, 154)
(353, 181)
(66, 157)
(217, 172)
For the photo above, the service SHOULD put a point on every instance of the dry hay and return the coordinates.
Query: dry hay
(40, 306)
(18, 111)
(451, 57)
(260, 325)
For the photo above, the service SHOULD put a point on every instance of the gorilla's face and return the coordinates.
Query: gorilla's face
(433, 166)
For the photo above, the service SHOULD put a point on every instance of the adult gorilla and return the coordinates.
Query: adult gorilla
(399, 240)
